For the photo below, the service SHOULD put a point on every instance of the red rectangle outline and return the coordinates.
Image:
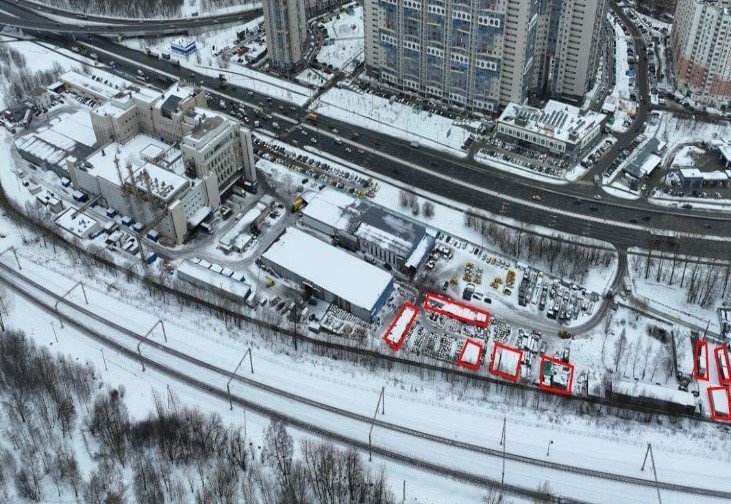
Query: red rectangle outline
(696, 354)
(502, 374)
(555, 390)
(397, 346)
(469, 365)
(722, 353)
(715, 416)
(433, 295)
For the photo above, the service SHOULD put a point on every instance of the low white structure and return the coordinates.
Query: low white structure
(329, 273)
(217, 282)
(78, 223)
(557, 127)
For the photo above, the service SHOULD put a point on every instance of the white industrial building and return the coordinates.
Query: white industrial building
(49, 146)
(557, 127)
(144, 179)
(329, 273)
(222, 282)
(356, 224)
(139, 109)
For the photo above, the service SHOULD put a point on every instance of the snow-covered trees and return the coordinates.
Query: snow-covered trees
(56, 408)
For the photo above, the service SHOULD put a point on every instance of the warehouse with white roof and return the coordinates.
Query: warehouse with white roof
(329, 273)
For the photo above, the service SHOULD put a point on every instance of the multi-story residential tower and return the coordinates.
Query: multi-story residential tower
(285, 22)
(573, 59)
(483, 54)
(701, 50)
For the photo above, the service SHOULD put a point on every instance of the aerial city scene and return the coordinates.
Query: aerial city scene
(365, 251)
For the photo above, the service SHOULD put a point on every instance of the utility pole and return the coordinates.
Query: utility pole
(54, 331)
(654, 470)
(228, 383)
(382, 405)
(502, 443)
(105, 360)
(548, 450)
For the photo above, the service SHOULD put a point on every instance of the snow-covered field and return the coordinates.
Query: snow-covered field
(394, 119)
(344, 43)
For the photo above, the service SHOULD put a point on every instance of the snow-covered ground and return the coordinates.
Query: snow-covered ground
(206, 61)
(678, 131)
(394, 119)
(344, 44)
(687, 303)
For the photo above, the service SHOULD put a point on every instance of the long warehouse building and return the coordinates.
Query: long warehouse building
(329, 273)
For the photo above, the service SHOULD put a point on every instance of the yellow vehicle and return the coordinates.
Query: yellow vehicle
(298, 204)
(269, 282)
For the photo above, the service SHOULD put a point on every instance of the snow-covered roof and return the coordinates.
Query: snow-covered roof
(190, 271)
(76, 222)
(634, 388)
(507, 360)
(557, 120)
(334, 270)
(163, 183)
(328, 207)
(725, 151)
(91, 86)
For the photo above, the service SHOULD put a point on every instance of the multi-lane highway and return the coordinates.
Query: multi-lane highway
(571, 208)
(59, 20)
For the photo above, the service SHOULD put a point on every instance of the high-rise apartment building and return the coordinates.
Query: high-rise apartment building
(483, 54)
(701, 50)
(285, 22)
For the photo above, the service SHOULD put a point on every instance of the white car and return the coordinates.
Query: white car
(597, 196)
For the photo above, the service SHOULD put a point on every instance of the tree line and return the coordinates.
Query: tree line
(56, 407)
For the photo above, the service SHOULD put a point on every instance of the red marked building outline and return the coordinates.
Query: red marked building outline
(700, 355)
(513, 377)
(396, 345)
(472, 366)
(439, 304)
(552, 388)
(723, 364)
(717, 416)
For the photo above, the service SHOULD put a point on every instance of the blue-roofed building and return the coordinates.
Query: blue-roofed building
(183, 46)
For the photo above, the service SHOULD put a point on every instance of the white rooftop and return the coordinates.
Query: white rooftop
(163, 183)
(98, 89)
(76, 222)
(331, 268)
(328, 207)
(556, 120)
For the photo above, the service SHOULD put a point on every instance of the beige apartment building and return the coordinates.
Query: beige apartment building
(701, 51)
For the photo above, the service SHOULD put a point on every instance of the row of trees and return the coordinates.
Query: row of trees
(561, 258)
(409, 200)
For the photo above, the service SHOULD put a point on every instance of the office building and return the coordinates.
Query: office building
(217, 145)
(558, 127)
(285, 22)
(701, 51)
(483, 54)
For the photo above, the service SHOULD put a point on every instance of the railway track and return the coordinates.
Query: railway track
(16, 279)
